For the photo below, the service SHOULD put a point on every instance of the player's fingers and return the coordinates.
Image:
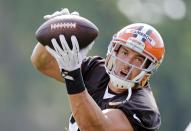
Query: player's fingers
(47, 17)
(65, 11)
(75, 44)
(56, 46)
(64, 43)
(75, 13)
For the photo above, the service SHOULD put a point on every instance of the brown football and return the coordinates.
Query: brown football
(68, 25)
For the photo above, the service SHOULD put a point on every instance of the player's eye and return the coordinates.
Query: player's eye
(125, 52)
(139, 59)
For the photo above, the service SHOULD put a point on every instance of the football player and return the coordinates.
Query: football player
(111, 94)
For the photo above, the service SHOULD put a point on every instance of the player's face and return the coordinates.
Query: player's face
(129, 56)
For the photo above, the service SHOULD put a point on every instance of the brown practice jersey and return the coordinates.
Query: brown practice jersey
(141, 109)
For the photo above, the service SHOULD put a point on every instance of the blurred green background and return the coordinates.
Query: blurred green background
(30, 101)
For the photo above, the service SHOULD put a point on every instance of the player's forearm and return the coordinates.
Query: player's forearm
(87, 113)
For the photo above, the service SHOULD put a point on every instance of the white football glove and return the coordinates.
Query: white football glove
(68, 59)
(64, 11)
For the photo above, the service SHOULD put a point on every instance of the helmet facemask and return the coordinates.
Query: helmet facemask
(122, 79)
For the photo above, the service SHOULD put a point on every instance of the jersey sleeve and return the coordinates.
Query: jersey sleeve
(93, 72)
(142, 111)
(92, 64)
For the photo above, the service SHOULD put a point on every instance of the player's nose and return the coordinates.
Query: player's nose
(126, 67)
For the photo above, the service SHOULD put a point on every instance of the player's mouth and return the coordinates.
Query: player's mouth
(123, 73)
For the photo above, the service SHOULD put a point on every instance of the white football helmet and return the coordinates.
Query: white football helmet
(143, 39)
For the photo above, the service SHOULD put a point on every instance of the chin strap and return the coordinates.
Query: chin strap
(122, 102)
(121, 84)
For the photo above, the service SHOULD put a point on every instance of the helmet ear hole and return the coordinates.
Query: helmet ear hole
(147, 63)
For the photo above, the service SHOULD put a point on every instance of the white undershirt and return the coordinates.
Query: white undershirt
(107, 94)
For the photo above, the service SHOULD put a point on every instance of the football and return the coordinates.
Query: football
(68, 25)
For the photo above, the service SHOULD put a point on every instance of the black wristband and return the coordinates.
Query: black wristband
(75, 85)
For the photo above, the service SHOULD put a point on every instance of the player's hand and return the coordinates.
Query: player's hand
(68, 59)
(64, 11)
